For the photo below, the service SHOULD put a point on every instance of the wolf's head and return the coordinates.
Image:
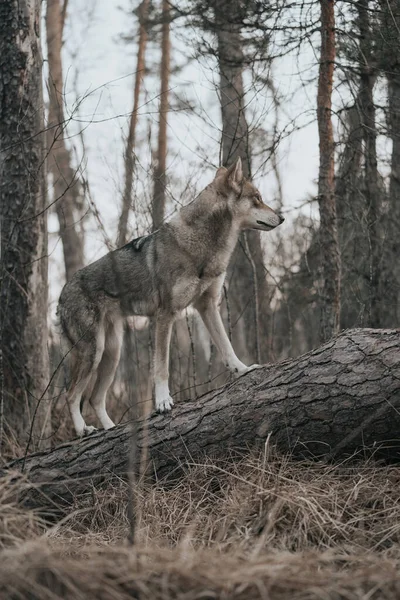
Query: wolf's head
(245, 200)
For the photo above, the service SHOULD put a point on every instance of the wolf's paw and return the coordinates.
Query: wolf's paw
(250, 368)
(164, 404)
(87, 430)
(106, 422)
(254, 367)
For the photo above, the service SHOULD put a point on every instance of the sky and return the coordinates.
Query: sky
(98, 71)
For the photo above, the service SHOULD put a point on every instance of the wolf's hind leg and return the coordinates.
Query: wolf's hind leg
(74, 401)
(106, 371)
(86, 357)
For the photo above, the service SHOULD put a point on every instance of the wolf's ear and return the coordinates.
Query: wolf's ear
(220, 171)
(234, 177)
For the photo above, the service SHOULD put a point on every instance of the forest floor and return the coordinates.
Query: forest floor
(260, 527)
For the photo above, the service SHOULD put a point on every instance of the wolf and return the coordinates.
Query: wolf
(183, 263)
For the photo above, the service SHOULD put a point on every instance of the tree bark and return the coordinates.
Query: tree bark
(24, 365)
(328, 403)
(159, 172)
(391, 286)
(248, 294)
(66, 184)
(130, 142)
(328, 233)
(390, 65)
(371, 187)
(352, 224)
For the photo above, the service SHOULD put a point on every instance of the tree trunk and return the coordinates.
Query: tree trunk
(391, 289)
(371, 188)
(24, 371)
(390, 64)
(66, 185)
(130, 143)
(248, 293)
(328, 234)
(159, 172)
(352, 225)
(328, 403)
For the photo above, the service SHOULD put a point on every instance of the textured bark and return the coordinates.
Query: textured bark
(158, 209)
(391, 285)
(328, 234)
(131, 140)
(248, 294)
(352, 224)
(371, 188)
(24, 369)
(390, 64)
(66, 185)
(329, 402)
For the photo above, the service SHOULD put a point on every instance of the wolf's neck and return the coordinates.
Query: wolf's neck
(207, 233)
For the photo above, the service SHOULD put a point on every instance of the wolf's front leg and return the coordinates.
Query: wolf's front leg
(163, 398)
(209, 312)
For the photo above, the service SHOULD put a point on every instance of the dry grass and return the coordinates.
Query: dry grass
(261, 527)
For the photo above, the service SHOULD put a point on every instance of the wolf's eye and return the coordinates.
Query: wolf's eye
(257, 199)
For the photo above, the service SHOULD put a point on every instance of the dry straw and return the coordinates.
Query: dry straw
(261, 527)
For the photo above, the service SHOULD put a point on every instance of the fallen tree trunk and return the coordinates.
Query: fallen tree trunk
(329, 402)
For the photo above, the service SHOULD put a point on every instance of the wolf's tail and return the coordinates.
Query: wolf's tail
(65, 342)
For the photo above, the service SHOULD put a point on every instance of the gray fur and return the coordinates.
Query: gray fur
(159, 275)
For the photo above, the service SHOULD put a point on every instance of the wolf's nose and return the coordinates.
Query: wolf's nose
(281, 218)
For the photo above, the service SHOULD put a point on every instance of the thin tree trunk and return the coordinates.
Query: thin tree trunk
(328, 233)
(352, 225)
(391, 310)
(390, 64)
(248, 294)
(160, 169)
(66, 183)
(24, 367)
(371, 191)
(130, 143)
(330, 402)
